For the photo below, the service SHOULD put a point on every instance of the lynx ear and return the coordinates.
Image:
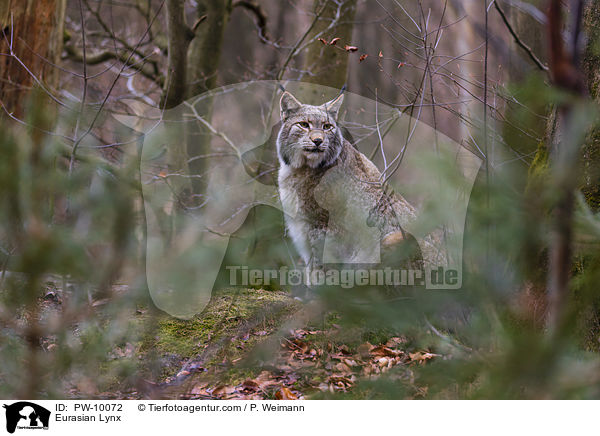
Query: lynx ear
(333, 106)
(287, 104)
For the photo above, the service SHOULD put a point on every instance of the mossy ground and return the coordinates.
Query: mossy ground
(233, 322)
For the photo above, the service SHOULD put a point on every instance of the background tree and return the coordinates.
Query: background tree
(475, 74)
(328, 65)
(31, 44)
(591, 65)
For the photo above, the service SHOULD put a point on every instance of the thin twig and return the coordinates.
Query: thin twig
(112, 86)
(518, 40)
(301, 40)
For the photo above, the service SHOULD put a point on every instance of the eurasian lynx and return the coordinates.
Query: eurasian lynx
(336, 208)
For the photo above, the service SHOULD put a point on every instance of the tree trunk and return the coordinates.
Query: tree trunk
(33, 29)
(329, 65)
(203, 61)
(591, 67)
(179, 37)
(205, 49)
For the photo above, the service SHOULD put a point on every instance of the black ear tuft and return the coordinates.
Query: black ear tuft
(333, 106)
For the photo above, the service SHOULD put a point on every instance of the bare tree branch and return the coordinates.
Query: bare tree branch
(518, 40)
(260, 16)
(97, 58)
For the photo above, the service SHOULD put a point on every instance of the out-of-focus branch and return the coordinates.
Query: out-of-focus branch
(518, 40)
(260, 16)
(565, 73)
(564, 159)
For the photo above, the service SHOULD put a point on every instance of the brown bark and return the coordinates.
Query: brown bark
(591, 68)
(204, 55)
(179, 37)
(205, 50)
(31, 31)
(564, 160)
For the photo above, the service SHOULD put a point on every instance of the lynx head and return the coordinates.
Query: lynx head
(309, 135)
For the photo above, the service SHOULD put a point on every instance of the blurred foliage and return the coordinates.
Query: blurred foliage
(492, 333)
(76, 320)
(67, 242)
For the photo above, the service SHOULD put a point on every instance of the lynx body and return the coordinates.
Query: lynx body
(336, 208)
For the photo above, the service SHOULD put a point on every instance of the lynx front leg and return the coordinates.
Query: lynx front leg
(316, 240)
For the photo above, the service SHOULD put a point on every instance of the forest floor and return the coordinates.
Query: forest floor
(246, 344)
(265, 344)
(258, 344)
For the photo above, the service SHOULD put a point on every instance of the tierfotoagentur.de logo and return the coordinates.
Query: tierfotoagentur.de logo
(24, 415)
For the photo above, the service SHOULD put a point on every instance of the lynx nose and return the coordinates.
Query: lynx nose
(317, 140)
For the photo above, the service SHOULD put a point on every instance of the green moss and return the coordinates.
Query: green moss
(525, 124)
(590, 185)
(538, 170)
(233, 322)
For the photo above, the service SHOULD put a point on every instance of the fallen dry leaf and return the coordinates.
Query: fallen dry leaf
(421, 357)
(344, 349)
(384, 351)
(222, 390)
(395, 341)
(364, 349)
(343, 368)
(250, 385)
(350, 362)
(285, 394)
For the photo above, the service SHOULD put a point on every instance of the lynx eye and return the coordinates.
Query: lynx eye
(304, 124)
(327, 126)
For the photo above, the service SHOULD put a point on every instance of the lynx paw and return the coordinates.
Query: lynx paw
(392, 239)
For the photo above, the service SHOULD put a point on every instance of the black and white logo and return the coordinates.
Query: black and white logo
(26, 415)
